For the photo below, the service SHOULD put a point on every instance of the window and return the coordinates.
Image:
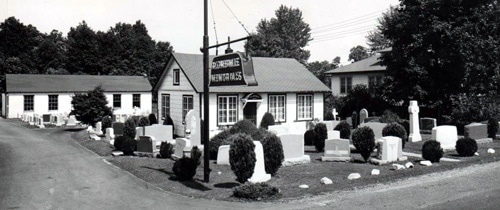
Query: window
(177, 76)
(277, 107)
(304, 107)
(29, 102)
(187, 104)
(53, 102)
(136, 100)
(117, 101)
(227, 110)
(165, 105)
(345, 84)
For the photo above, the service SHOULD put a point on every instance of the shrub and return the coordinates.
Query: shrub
(129, 146)
(309, 137)
(329, 116)
(218, 140)
(344, 128)
(466, 147)
(492, 128)
(168, 121)
(321, 134)
(273, 153)
(106, 123)
(143, 121)
(196, 155)
(364, 141)
(242, 156)
(166, 149)
(185, 168)
(90, 107)
(119, 142)
(152, 119)
(260, 191)
(389, 117)
(406, 125)
(243, 126)
(259, 134)
(395, 129)
(136, 119)
(431, 150)
(267, 120)
(129, 128)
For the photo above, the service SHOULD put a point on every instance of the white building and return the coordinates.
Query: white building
(51, 94)
(285, 89)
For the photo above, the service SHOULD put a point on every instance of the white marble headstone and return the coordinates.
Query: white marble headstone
(259, 172)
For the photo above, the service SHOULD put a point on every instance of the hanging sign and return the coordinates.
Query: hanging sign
(232, 69)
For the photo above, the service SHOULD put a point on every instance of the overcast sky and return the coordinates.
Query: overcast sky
(337, 25)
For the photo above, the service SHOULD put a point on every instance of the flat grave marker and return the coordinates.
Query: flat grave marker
(337, 150)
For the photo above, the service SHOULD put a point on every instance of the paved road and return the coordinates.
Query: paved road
(48, 170)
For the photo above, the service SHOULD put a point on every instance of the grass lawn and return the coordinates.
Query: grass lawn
(222, 180)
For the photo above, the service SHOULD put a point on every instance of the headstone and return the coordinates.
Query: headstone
(476, 131)
(390, 149)
(427, 124)
(278, 129)
(413, 109)
(110, 134)
(118, 128)
(139, 131)
(372, 119)
(46, 118)
(193, 127)
(334, 113)
(349, 121)
(354, 119)
(293, 149)
(223, 155)
(259, 172)
(330, 125)
(333, 134)
(363, 114)
(446, 135)
(296, 127)
(376, 127)
(180, 145)
(71, 121)
(59, 120)
(146, 144)
(160, 132)
(337, 150)
(98, 128)
(40, 123)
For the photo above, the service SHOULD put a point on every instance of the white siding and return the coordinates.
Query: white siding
(357, 79)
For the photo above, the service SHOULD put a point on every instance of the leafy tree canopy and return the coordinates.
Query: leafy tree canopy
(358, 53)
(90, 107)
(318, 68)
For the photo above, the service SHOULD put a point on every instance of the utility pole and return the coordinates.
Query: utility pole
(206, 123)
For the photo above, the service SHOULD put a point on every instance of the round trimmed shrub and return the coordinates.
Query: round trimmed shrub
(344, 128)
(143, 121)
(106, 123)
(397, 130)
(119, 142)
(309, 137)
(406, 125)
(185, 169)
(168, 121)
(329, 116)
(364, 141)
(273, 153)
(259, 191)
(129, 128)
(492, 128)
(166, 149)
(321, 134)
(267, 120)
(466, 147)
(218, 140)
(432, 151)
(196, 155)
(242, 156)
(129, 146)
(243, 126)
(259, 134)
(152, 119)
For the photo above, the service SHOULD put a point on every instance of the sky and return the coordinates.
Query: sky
(336, 25)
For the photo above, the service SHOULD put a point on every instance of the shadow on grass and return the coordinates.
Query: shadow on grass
(227, 185)
(193, 184)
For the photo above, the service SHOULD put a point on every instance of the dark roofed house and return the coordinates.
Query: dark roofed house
(40, 94)
(285, 88)
(367, 72)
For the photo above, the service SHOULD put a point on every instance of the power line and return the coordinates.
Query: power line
(236, 17)
(215, 29)
(346, 21)
(363, 28)
(346, 25)
(334, 37)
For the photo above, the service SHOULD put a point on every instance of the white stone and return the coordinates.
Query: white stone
(71, 121)
(413, 109)
(180, 145)
(259, 172)
(98, 128)
(94, 137)
(476, 154)
(193, 125)
(160, 132)
(375, 172)
(90, 129)
(354, 176)
(398, 167)
(110, 134)
(326, 181)
(363, 114)
(491, 151)
(330, 125)
(303, 186)
(426, 163)
(333, 134)
(223, 155)
(376, 127)
(278, 129)
(337, 150)
(409, 165)
(293, 149)
(446, 135)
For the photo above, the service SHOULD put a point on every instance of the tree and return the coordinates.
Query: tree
(83, 50)
(375, 39)
(318, 68)
(358, 53)
(285, 36)
(90, 107)
(51, 54)
(441, 50)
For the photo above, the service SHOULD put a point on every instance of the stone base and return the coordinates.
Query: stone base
(296, 161)
(484, 141)
(382, 162)
(335, 159)
(146, 154)
(117, 153)
(259, 179)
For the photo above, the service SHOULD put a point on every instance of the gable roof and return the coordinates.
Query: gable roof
(273, 75)
(47, 83)
(370, 64)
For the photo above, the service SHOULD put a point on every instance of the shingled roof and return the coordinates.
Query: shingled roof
(369, 64)
(44, 83)
(273, 75)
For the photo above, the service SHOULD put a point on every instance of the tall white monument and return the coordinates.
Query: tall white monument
(414, 120)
